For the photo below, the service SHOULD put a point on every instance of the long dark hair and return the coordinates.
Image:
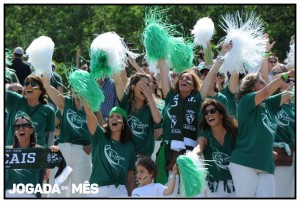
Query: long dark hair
(229, 123)
(148, 164)
(130, 88)
(125, 133)
(32, 135)
(43, 97)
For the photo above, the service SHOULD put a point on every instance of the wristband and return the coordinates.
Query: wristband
(284, 77)
(172, 177)
(267, 53)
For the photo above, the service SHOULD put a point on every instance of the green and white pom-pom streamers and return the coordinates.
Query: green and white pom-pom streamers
(248, 45)
(99, 64)
(8, 56)
(86, 86)
(203, 31)
(40, 53)
(192, 174)
(156, 35)
(181, 54)
(109, 54)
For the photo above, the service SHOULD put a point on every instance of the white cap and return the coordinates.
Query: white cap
(19, 50)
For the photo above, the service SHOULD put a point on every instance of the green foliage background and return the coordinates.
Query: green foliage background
(74, 27)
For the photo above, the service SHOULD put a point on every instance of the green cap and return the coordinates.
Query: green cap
(119, 111)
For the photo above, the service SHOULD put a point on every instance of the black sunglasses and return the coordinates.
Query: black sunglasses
(144, 65)
(19, 91)
(211, 111)
(23, 125)
(32, 83)
(275, 73)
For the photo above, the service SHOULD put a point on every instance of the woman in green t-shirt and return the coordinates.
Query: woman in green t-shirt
(215, 142)
(113, 155)
(251, 162)
(74, 139)
(24, 137)
(138, 102)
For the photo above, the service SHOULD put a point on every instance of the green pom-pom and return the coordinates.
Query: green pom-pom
(156, 42)
(86, 86)
(181, 54)
(191, 176)
(8, 56)
(156, 35)
(99, 64)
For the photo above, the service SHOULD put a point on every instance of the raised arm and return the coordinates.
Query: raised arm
(136, 66)
(91, 119)
(213, 71)
(233, 82)
(169, 190)
(270, 88)
(56, 96)
(119, 86)
(164, 73)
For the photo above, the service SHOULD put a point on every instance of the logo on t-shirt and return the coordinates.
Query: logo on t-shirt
(221, 160)
(75, 121)
(283, 119)
(136, 126)
(113, 157)
(271, 127)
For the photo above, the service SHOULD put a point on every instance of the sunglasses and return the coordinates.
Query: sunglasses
(32, 83)
(23, 125)
(271, 61)
(261, 82)
(211, 111)
(19, 91)
(144, 65)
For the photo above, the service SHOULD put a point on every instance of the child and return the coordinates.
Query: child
(146, 172)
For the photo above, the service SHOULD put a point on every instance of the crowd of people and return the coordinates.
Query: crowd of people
(129, 147)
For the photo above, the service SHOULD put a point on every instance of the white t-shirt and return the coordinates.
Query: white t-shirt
(150, 190)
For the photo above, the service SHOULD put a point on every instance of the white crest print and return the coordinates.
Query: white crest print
(268, 124)
(190, 116)
(112, 157)
(75, 121)
(136, 126)
(283, 119)
(221, 160)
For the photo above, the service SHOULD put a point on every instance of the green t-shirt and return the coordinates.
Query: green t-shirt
(42, 116)
(286, 125)
(21, 176)
(220, 98)
(218, 169)
(73, 126)
(142, 127)
(111, 160)
(256, 133)
(181, 117)
(231, 101)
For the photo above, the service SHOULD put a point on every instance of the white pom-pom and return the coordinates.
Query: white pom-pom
(203, 31)
(290, 61)
(40, 54)
(116, 49)
(248, 45)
